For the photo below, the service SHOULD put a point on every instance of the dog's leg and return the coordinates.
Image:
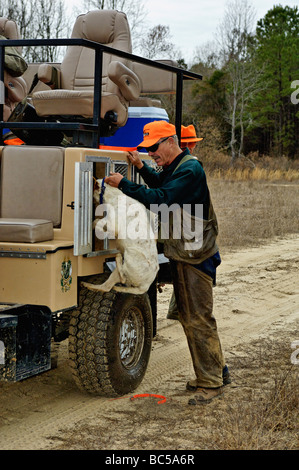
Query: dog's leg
(107, 285)
(119, 267)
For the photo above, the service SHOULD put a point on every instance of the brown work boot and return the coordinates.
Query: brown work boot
(192, 385)
(172, 316)
(173, 313)
(205, 395)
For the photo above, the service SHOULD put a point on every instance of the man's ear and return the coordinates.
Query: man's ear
(172, 140)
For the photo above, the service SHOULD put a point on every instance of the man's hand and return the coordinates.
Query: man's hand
(135, 159)
(114, 179)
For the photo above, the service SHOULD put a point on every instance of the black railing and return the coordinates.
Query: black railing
(94, 126)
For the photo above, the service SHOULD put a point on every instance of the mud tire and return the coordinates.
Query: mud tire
(110, 339)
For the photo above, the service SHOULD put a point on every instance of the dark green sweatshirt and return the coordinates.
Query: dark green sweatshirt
(187, 185)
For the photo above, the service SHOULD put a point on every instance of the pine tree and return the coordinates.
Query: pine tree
(277, 37)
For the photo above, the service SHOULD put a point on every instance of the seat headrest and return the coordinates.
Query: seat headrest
(9, 29)
(108, 27)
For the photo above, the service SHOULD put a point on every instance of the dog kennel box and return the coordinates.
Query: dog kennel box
(25, 342)
(130, 135)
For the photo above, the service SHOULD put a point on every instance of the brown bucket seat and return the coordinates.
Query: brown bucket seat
(73, 92)
(15, 87)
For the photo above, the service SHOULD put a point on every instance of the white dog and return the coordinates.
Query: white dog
(128, 221)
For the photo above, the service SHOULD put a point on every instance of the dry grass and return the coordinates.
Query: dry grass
(264, 412)
(251, 212)
(254, 204)
(256, 174)
(259, 411)
(250, 168)
(255, 200)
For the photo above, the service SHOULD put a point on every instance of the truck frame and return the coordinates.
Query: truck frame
(42, 301)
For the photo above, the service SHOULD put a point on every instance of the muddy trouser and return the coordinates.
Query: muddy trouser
(194, 295)
(173, 308)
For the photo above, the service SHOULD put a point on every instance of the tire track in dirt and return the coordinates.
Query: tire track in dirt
(31, 430)
(258, 288)
(257, 292)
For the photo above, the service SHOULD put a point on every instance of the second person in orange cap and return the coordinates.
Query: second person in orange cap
(189, 138)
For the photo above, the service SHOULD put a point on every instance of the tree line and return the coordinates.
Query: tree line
(250, 82)
(48, 19)
(250, 86)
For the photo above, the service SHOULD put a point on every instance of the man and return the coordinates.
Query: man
(188, 141)
(189, 138)
(183, 182)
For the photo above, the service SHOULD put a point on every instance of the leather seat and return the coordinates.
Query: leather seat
(73, 92)
(31, 185)
(15, 87)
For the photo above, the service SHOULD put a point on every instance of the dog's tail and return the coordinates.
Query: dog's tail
(129, 290)
(94, 287)
(123, 289)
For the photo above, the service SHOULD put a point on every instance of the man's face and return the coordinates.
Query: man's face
(162, 155)
(190, 145)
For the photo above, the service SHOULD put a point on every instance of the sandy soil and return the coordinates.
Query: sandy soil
(256, 297)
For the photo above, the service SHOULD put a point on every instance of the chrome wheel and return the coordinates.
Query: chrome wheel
(131, 337)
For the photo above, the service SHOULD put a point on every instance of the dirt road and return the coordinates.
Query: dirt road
(257, 294)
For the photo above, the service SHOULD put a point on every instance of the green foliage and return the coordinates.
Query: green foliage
(255, 83)
(277, 38)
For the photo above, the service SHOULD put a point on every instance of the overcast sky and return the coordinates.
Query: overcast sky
(194, 22)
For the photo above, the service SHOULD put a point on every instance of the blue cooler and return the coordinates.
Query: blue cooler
(130, 135)
(5, 131)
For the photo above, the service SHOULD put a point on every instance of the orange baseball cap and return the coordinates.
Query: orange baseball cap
(188, 134)
(154, 131)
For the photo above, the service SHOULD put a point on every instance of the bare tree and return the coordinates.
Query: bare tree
(157, 42)
(21, 11)
(235, 37)
(37, 19)
(149, 43)
(52, 25)
(134, 9)
(207, 54)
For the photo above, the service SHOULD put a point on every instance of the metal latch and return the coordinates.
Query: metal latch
(72, 205)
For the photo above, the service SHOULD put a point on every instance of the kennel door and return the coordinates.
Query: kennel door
(120, 167)
(83, 208)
